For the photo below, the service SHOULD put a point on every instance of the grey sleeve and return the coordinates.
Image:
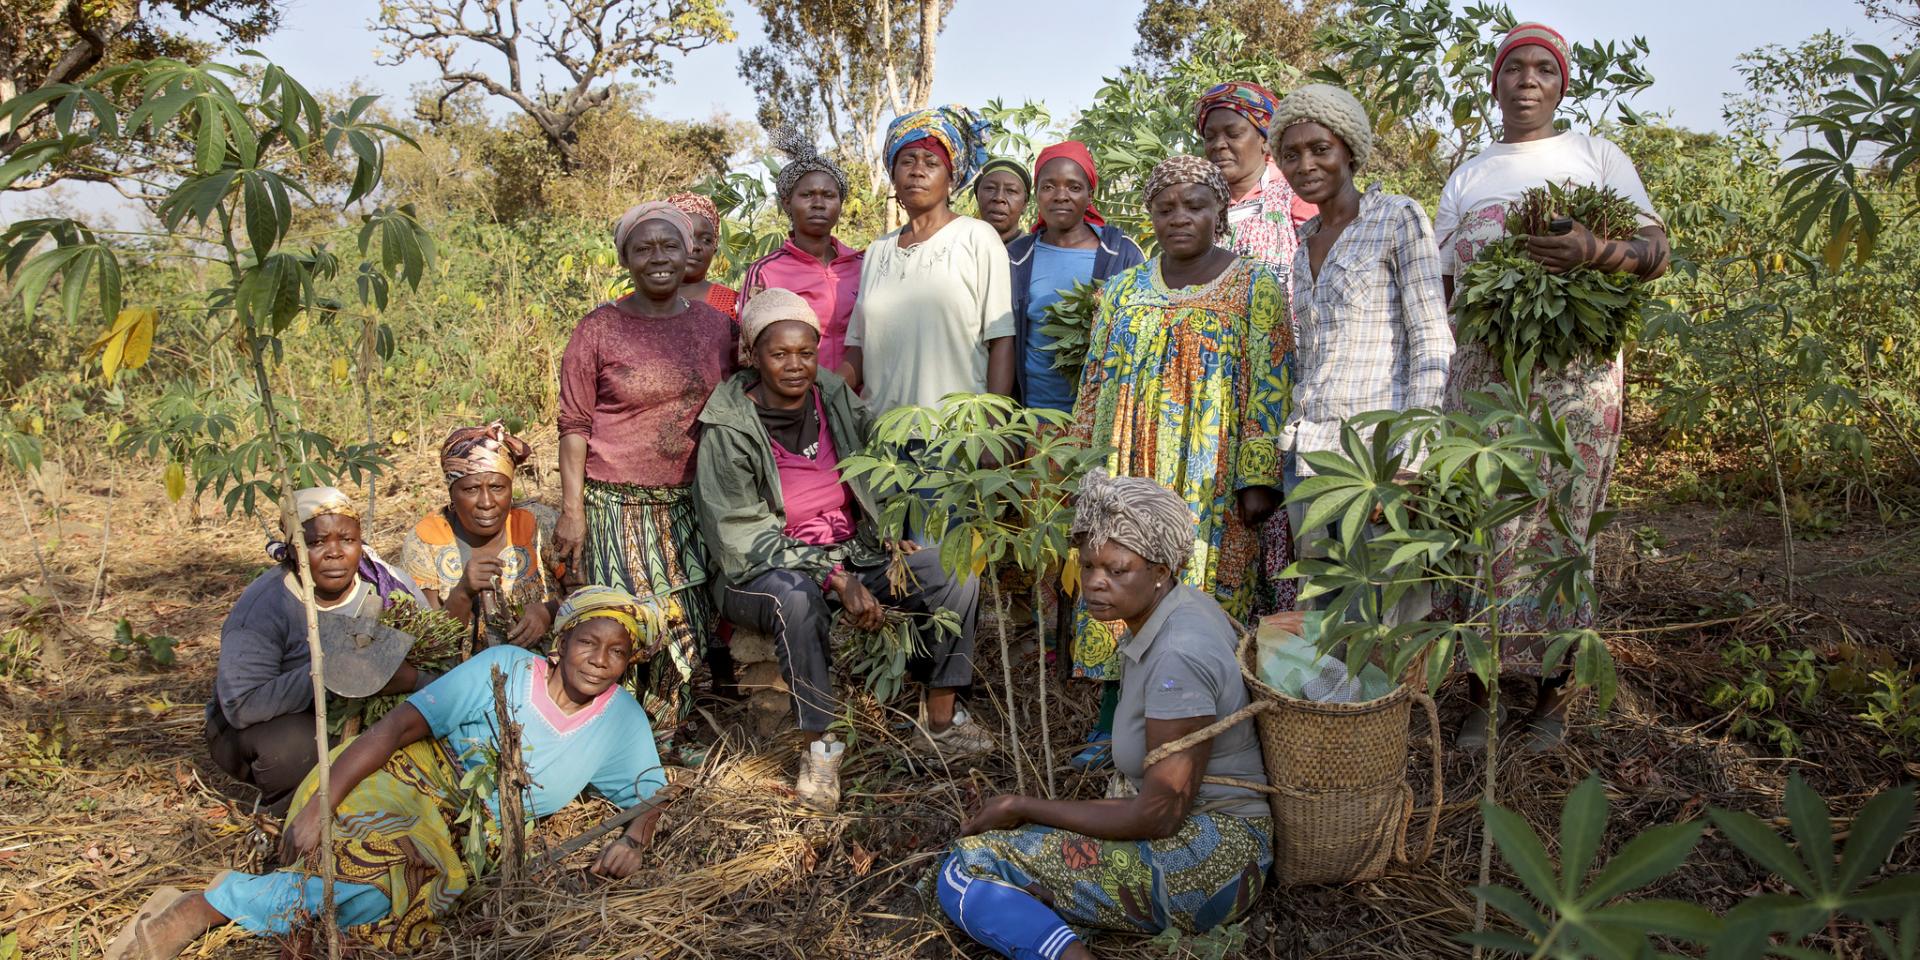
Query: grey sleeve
(1181, 685)
(251, 684)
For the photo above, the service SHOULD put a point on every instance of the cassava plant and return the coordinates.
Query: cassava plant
(1578, 910)
(1472, 472)
(1514, 305)
(1068, 321)
(253, 141)
(992, 479)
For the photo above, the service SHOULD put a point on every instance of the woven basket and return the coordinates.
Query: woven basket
(1336, 777)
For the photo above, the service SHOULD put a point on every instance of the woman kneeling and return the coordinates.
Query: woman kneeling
(1181, 853)
(396, 840)
(792, 541)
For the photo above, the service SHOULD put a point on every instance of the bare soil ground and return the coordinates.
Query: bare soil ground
(106, 791)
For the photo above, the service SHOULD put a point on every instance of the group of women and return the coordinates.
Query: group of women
(700, 433)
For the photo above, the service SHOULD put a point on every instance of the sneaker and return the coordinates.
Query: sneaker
(1098, 752)
(818, 782)
(1472, 736)
(964, 738)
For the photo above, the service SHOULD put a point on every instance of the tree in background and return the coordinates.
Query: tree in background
(1282, 29)
(44, 43)
(590, 42)
(844, 68)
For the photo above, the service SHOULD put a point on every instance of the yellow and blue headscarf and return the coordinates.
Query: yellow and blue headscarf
(610, 603)
(958, 130)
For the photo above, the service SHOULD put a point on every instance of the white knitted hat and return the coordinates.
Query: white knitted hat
(1330, 107)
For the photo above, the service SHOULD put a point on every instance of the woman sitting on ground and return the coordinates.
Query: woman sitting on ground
(398, 803)
(260, 722)
(1180, 853)
(793, 543)
(480, 551)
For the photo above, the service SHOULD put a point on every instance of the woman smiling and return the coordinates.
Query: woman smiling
(632, 381)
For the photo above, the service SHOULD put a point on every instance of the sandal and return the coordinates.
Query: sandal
(129, 945)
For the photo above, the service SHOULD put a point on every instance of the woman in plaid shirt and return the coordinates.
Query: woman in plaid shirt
(1373, 330)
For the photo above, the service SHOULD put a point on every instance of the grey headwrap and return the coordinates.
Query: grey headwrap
(1136, 513)
(802, 159)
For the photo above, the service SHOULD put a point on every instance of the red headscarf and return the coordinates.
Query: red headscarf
(932, 146)
(1077, 152)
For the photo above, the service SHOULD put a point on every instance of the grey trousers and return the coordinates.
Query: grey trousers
(1414, 605)
(273, 756)
(791, 608)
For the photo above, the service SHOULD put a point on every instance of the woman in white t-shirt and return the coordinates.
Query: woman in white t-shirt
(935, 310)
(1529, 81)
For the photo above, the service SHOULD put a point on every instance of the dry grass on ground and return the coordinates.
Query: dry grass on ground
(105, 790)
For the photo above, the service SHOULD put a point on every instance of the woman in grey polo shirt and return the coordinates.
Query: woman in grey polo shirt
(1181, 853)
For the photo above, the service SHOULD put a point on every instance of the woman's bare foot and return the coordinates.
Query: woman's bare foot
(165, 925)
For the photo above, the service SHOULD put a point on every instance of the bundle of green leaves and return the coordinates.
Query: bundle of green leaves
(439, 644)
(1068, 322)
(1511, 303)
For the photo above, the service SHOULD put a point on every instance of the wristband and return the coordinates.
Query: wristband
(826, 582)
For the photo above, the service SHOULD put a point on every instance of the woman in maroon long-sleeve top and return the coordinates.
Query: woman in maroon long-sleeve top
(634, 376)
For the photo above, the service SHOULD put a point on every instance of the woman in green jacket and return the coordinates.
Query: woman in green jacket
(794, 543)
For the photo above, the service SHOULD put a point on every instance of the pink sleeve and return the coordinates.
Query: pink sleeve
(580, 379)
(1302, 211)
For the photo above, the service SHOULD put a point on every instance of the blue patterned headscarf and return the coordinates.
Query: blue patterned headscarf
(961, 131)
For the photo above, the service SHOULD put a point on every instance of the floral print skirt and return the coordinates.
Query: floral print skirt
(1589, 397)
(1209, 872)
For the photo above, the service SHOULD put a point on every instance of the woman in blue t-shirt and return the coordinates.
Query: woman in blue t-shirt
(398, 800)
(1072, 244)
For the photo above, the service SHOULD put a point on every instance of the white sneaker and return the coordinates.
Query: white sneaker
(818, 782)
(965, 738)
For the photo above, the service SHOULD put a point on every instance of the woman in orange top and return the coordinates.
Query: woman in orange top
(705, 242)
(480, 552)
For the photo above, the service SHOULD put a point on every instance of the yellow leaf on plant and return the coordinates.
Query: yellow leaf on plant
(1886, 345)
(176, 480)
(979, 556)
(340, 369)
(114, 430)
(128, 342)
(1070, 573)
(399, 436)
(420, 367)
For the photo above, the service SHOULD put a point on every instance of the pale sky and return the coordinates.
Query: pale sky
(1012, 49)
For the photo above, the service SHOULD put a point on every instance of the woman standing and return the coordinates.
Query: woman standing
(1372, 321)
(1529, 81)
(935, 311)
(703, 244)
(632, 381)
(1072, 245)
(480, 550)
(813, 262)
(1183, 384)
(1002, 192)
(1233, 120)
(1182, 853)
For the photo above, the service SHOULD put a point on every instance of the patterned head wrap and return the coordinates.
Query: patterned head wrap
(488, 449)
(768, 307)
(1184, 168)
(332, 502)
(955, 128)
(322, 502)
(640, 213)
(1010, 165)
(802, 159)
(1136, 513)
(1330, 107)
(1249, 100)
(1537, 35)
(609, 603)
(1083, 158)
(695, 205)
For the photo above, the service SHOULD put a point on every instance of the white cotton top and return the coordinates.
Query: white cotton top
(1473, 204)
(924, 315)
